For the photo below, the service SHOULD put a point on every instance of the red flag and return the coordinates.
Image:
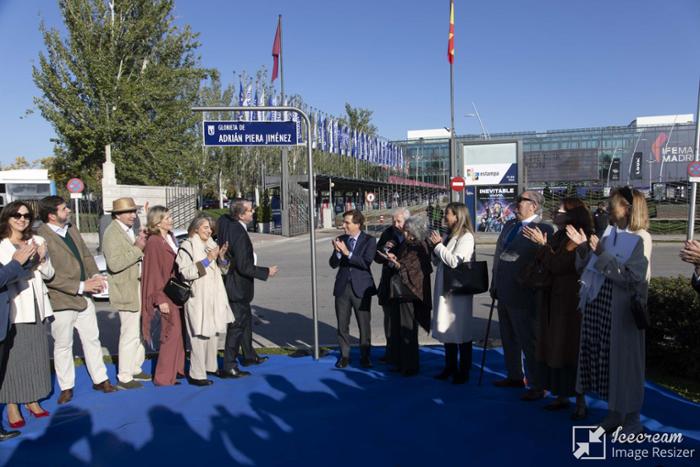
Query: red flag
(451, 35)
(276, 50)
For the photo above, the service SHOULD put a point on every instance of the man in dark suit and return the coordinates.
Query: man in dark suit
(517, 311)
(10, 273)
(353, 254)
(389, 242)
(232, 229)
(691, 254)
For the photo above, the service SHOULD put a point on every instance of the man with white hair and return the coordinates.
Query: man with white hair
(517, 311)
(389, 242)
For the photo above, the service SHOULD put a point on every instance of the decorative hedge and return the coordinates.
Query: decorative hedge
(673, 341)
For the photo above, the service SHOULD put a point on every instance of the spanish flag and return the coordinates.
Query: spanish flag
(451, 36)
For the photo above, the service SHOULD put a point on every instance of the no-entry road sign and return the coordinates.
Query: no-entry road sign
(457, 184)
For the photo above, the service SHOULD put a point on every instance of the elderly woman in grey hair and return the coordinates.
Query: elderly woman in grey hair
(207, 312)
(410, 295)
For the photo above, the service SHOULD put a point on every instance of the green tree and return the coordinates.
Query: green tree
(124, 75)
(359, 119)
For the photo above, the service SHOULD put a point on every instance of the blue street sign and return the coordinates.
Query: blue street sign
(246, 133)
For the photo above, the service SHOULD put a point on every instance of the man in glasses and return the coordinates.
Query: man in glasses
(517, 313)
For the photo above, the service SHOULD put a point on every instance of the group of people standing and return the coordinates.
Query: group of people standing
(408, 252)
(567, 302)
(48, 277)
(565, 298)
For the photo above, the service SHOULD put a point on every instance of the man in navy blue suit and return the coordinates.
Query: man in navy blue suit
(9, 273)
(353, 254)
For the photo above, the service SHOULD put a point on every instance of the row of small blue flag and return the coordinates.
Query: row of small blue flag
(328, 133)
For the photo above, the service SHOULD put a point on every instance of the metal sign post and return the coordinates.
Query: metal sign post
(310, 160)
(75, 187)
(694, 185)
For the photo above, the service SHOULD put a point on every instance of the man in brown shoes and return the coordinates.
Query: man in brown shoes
(76, 278)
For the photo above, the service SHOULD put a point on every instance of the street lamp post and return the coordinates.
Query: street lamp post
(612, 159)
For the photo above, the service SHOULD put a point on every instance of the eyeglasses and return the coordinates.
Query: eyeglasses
(20, 215)
(520, 199)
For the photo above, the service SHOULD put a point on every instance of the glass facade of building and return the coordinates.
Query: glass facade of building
(640, 156)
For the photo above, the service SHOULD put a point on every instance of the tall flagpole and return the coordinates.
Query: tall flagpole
(454, 196)
(284, 173)
(694, 186)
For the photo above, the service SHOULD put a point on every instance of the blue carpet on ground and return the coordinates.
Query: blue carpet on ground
(294, 411)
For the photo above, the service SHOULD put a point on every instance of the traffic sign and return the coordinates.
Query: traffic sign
(457, 184)
(75, 185)
(244, 133)
(370, 197)
(694, 172)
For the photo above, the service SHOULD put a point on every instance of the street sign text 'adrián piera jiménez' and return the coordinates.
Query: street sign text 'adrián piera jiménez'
(246, 133)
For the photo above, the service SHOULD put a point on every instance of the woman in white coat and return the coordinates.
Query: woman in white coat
(26, 374)
(207, 312)
(452, 314)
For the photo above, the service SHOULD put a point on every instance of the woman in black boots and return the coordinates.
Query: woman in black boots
(452, 314)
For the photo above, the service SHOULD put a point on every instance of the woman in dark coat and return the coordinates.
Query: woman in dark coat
(411, 307)
(559, 318)
(158, 267)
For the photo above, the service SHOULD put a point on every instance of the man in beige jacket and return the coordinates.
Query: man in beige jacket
(123, 251)
(75, 279)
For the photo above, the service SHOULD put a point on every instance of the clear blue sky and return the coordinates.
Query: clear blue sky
(528, 65)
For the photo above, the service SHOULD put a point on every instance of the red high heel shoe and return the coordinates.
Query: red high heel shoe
(18, 424)
(44, 413)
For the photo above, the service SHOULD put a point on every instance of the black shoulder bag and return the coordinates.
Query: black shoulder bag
(468, 278)
(177, 289)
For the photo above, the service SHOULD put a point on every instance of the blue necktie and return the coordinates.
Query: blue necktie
(513, 233)
(351, 243)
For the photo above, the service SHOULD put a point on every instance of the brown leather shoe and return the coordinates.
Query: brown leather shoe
(533, 395)
(65, 396)
(105, 386)
(509, 383)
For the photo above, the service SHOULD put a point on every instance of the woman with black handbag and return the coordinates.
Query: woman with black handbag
(410, 295)
(452, 313)
(157, 269)
(559, 319)
(614, 282)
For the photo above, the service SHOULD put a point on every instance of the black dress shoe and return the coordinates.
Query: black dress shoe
(233, 373)
(342, 362)
(5, 435)
(254, 361)
(199, 382)
(365, 362)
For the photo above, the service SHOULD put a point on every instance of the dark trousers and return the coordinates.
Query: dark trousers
(404, 337)
(387, 309)
(344, 305)
(239, 334)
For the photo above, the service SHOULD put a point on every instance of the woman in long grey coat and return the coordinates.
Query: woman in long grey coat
(614, 270)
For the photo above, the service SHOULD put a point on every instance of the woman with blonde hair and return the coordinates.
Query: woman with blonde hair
(158, 267)
(207, 312)
(452, 313)
(614, 280)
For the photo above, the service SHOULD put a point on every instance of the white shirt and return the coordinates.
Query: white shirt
(171, 243)
(129, 230)
(529, 220)
(62, 232)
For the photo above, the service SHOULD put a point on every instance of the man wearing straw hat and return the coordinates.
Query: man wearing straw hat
(123, 251)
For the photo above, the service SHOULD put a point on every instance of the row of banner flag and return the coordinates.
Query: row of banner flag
(329, 133)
